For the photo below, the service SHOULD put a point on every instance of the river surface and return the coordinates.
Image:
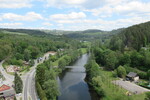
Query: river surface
(72, 84)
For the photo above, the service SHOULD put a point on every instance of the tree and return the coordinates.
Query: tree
(121, 71)
(40, 92)
(97, 84)
(110, 59)
(18, 56)
(27, 54)
(18, 84)
(125, 59)
(31, 63)
(40, 74)
(34, 51)
(48, 64)
(148, 75)
(92, 70)
(51, 74)
(62, 63)
(51, 89)
(136, 59)
(147, 60)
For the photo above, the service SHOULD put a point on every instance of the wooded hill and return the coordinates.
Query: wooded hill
(24, 32)
(133, 37)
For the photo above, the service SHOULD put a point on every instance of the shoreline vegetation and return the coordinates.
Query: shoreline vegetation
(101, 82)
(46, 84)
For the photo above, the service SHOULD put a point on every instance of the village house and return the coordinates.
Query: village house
(7, 92)
(132, 77)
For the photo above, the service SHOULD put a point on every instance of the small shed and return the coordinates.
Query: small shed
(132, 77)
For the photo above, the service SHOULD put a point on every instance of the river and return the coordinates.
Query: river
(71, 82)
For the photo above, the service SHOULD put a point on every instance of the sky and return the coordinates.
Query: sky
(73, 14)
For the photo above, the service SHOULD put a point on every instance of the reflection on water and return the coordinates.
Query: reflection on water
(72, 84)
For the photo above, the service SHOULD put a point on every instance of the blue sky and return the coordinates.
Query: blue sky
(73, 14)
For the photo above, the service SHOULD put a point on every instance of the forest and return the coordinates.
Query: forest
(124, 52)
(113, 54)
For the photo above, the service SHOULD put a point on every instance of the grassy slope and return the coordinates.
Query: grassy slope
(7, 32)
(56, 62)
(114, 92)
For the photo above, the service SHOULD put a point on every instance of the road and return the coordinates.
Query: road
(9, 78)
(29, 81)
(29, 86)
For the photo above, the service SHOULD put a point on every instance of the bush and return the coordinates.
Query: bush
(114, 74)
(121, 71)
(147, 96)
(97, 85)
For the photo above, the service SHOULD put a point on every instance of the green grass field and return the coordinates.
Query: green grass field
(56, 62)
(83, 50)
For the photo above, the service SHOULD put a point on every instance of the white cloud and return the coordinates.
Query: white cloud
(1, 19)
(122, 8)
(30, 16)
(74, 3)
(15, 3)
(101, 24)
(10, 25)
(47, 24)
(72, 15)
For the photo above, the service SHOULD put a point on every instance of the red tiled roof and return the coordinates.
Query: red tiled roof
(4, 87)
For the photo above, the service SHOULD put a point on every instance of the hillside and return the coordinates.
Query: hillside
(133, 37)
(23, 31)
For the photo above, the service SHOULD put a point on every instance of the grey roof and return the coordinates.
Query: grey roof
(132, 74)
(9, 93)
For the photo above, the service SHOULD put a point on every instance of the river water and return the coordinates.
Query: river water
(72, 84)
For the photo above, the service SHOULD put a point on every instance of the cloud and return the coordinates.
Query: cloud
(101, 23)
(88, 4)
(74, 2)
(1, 19)
(30, 16)
(47, 24)
(72, 15)
(10, 25)
(122, 8)
(15, 3)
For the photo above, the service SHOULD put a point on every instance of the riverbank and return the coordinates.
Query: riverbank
(71, 83)
(101, 82)
(46, 83)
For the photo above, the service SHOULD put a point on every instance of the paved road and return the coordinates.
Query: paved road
(29, 86)
(29, 81)
(131, 86)
(9, 78)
